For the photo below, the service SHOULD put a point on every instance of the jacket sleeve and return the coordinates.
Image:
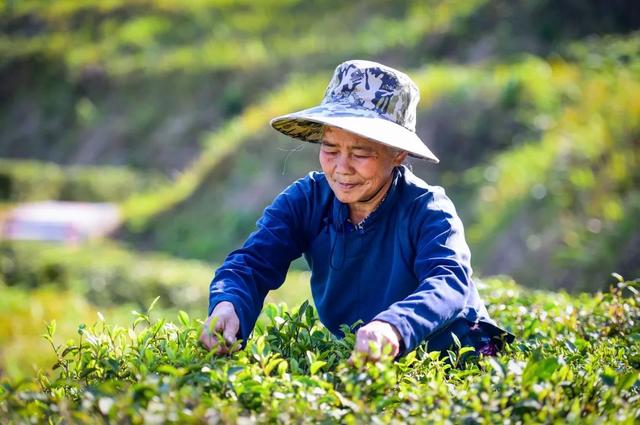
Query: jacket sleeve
(248, 273)
(442, 266)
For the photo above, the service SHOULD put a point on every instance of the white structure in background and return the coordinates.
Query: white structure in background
(61, 221)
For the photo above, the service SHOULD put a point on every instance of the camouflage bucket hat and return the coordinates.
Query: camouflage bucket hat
(368, 99)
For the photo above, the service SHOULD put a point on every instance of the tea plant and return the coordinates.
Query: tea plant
(575, 360)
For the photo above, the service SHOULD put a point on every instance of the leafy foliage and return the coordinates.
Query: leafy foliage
(70, 284)
(574, 360)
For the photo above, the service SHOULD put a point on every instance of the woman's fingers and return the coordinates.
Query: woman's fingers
(369, 343)
(207, 338)
(220, 329)
(229, 334)
(373, 338)
(213, 339)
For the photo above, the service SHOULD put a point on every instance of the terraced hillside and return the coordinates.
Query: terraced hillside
(531, 107)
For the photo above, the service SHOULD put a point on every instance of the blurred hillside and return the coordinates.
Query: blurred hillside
(532, 105)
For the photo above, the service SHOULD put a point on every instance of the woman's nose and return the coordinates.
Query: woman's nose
(343, 164)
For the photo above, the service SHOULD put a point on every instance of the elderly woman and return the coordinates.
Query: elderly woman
(383, 246)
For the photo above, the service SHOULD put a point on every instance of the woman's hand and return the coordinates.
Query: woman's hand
(226, 325)
(372, 338)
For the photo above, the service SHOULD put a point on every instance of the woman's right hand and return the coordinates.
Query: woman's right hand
(227, 325)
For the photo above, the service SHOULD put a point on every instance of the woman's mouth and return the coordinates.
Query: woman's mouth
(346, 186)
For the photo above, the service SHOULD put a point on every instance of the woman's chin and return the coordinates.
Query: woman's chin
(348, 194)
(346, 198)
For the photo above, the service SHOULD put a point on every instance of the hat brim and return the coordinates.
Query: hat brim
(307, 125)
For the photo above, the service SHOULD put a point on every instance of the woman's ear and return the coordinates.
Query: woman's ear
(399, 157)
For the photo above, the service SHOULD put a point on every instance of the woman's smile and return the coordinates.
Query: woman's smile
(346, 186)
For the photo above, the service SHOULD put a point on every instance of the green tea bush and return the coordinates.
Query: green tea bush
(24, 310)
(574, 361)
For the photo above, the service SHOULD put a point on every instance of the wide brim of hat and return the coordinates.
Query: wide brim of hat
(307, 125)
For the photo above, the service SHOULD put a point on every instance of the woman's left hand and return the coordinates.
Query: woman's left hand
(373, 337)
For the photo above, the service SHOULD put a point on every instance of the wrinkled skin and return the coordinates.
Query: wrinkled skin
(357, 169)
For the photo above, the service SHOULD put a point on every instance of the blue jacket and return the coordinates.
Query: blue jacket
(407, 264)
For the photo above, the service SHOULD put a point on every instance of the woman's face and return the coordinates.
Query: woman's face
(356, 168)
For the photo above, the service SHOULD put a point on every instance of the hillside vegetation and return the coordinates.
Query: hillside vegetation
(531, 105)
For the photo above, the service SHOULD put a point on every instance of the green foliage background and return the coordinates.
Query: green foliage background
(532, 106)
(162, 106)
